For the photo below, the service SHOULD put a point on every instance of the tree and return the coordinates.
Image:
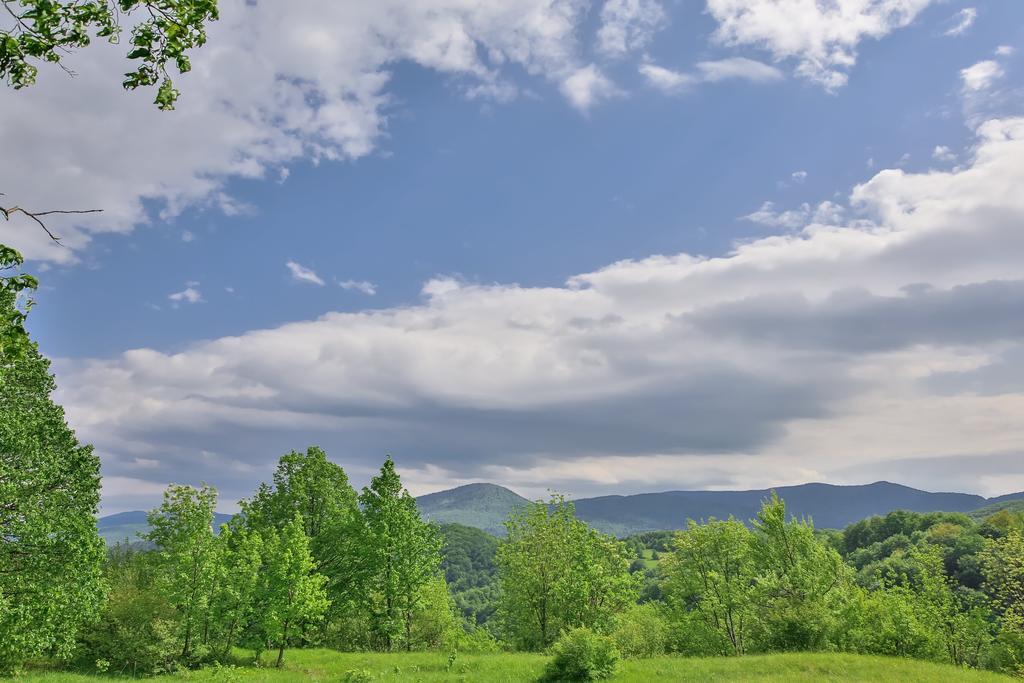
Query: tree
(290, 592)
(401, 555)
(235, 583)
(50, 553)
(556, 573)
(46, 30)
(711, 575)
(316, 488)
(181, 530)
(799, 578)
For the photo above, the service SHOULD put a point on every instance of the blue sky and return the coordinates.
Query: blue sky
(513, 195)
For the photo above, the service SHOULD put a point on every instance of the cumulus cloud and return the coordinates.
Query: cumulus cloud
(587, 86)
(628, 25)
(277, 83)
(735, 68)
(943, 153)
(812, 353)
(961, 21)
(821, 37)
(301, 273)
(739, 68)
(189, 295)
(980, 76)
(664, 79)
(363, 286)
(792, 219)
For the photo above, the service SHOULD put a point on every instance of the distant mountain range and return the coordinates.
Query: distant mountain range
(486, 506)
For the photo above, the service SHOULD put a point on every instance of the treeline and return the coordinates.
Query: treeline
(308, 562)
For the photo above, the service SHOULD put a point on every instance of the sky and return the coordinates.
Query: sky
(606, 246)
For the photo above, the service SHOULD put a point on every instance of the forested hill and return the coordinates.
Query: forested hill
(485, 505)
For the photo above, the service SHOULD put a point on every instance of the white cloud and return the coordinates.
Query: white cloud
(276, 83)
(300, 273)
(738, 68)
(628, 25)
(943, 153)
(187, 236)
(798, 176)
(876, 330)
(826, 212)
(962, 21)
(673, 82)
(664, 79)
(189, 295)
(587, 86)
(822, 37)
(1004, 51)
(981, 76)
(363, 286)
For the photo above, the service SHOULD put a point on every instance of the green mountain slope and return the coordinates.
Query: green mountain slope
(484, 506)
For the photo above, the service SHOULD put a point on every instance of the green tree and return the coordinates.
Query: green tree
(799, 580)
(290, 593)
(1002, 563)
(311, 485)
(50, 553)
(401, 554)
(236, 583)
(181, 530)
(555, 573)
(46, 30)
(711, 575)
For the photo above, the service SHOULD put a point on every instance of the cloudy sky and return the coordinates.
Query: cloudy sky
(597, 246)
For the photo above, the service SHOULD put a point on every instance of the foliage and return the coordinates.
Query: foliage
(50, 552)
(582, 655)
(138, 631)
(163, 32)
(401, 554)
(641, 631)
(309, 484)
(289, 592)
(181, 531)
(799, 584)
(236, 584)
(556, 573)
(712, 574)
(469, 563)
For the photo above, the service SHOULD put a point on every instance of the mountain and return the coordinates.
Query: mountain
(484, 506)
(128, 525)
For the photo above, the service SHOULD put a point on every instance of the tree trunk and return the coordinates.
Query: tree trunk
(284, 640)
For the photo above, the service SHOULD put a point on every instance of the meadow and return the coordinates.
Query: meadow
(329, 665)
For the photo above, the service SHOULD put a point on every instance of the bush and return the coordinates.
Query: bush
(136, 634)
(582, 655)
(641, 631)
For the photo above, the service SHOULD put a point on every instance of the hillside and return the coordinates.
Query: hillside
(1010, 505)
(484, 506)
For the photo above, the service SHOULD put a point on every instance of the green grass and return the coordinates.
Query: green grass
(327, 665)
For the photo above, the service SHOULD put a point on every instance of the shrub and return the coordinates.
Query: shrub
(640, 631)
(136, 634)
(582, 655)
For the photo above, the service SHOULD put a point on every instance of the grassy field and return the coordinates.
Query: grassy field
(327, 665)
